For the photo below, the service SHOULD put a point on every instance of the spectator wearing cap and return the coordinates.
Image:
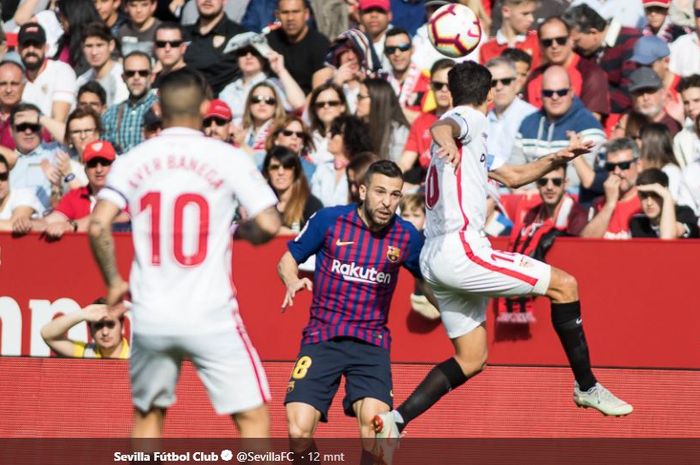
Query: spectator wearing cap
(375, 18)
(654, 52)
(255, 69)
(610, 45)
(138, 33)
(35, 165)
(51, 85)
(105, 329)
(649, 98)
(73, 211)
(217, 121)
(111, 13)
(169, 49)
(12, 82)
(588, 80)
(685, 51)
(303, 48)
(658, 22)
(660, 216)
(518, 18)
(16, 205)
(122, 122)
(610, 215)
(98, 46)
(424, 54)
(686, 144)
(207, 40)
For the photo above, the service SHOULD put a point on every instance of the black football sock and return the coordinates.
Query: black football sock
(566, 319)
(442, 379)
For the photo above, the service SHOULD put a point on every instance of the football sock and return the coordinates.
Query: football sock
(566, 319)
(442, 379)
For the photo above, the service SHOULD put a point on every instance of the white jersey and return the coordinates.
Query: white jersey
(456, 199)
(182, 189)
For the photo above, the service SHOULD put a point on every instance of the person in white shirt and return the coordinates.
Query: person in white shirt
(686, 142)
(182, 189)
(98, 45)
(375, 18)
(463, 270)
(51, 85)
(16, 206)
(685, 51)
(508, 110)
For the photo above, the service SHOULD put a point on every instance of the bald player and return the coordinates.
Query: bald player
(182, 189)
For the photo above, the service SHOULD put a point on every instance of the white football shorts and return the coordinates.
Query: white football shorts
(464, 274)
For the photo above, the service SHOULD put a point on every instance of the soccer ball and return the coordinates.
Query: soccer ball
(454, 30)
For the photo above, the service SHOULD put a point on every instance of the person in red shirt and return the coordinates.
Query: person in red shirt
(620, 203)
(518, 17)
(73, 211)
(416, 153)
(588, 80)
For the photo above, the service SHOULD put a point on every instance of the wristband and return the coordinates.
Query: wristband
(69, 177)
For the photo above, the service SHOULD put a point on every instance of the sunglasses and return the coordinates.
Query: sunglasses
(5, 176)
(549, 93)
(290, 133)
(438, 86)
(277, 166)
(330, 103)
(172, 43)
(623, 165)
(98, 161)
(263, 99)
(556, 181)
(101, 324)
(505, 81)
(22, 127)
(214, 120)
(133, 72)
(388, 50)
(546, 43)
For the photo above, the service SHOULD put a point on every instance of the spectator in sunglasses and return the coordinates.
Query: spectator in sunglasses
(407, 80)
(326, 103)
(217, 121)
(263, 111)
(169, 49)
(283, 171)
(557, 48)
(35, 167)
(106, 332)
(73, 211)
(122, 122)
(610, 215)
(293, 134)
(16, 205)
(661, 217)
(508, 110)
(255, 68)
(547, 130)
(685, 51)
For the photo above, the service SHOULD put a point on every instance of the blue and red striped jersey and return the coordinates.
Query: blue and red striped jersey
(356, 273)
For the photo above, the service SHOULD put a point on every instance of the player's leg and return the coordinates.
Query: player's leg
(568, 324)
(302, 420)
(373, 451)
(148, 424)
(254, 423)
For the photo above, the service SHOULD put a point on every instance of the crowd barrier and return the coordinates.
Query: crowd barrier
(639, 307)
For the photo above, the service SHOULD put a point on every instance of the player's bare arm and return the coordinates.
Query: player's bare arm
(102, 245)
(521, 175)
(261, 228)
(288, 271)
(427, 292)
(54, 332)
(444, 132)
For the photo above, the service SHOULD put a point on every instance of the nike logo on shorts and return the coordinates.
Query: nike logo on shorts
(579, 321)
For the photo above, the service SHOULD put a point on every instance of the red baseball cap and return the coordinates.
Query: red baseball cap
(99, 149)
(381, 4)
(662, 3)
(219, 108)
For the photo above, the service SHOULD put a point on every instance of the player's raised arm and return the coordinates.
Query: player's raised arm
(102, 244)
(521, 175)
(261, 228)
(444, 132)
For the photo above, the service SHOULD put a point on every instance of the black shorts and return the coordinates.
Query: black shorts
(316, 375)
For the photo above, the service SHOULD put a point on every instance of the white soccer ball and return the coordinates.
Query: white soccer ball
(454, 30)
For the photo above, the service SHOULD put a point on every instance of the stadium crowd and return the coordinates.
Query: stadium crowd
(314, 91)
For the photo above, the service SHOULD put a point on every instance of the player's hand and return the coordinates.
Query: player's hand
(116, 292)
(292, 289)
(95, 312)
(576, 148)
(450, 153)
(611, 186)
